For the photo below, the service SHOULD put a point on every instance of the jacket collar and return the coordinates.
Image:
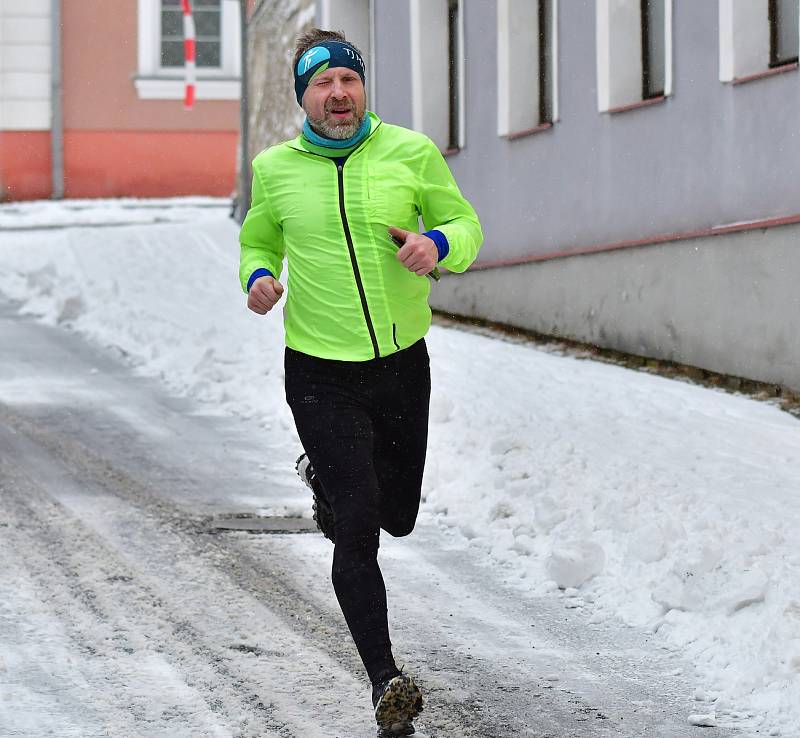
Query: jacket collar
(302, 144)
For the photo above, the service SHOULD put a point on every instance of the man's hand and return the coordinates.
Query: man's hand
(264, 295)
(418, 253)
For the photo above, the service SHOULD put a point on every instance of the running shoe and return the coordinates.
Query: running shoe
(323, 513)
(397, 701)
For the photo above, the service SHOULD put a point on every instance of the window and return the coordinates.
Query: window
(757, 38)
(217, 54)
(25, 51)
(453, 55)
(653, 56)
(526, 53)
(208, 28)
(547, 34)
(437, 33)
(634, 52)
(784, 32)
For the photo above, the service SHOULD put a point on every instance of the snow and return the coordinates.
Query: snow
(570, 563)
(671, 507)
(128, 210)
(703, 721)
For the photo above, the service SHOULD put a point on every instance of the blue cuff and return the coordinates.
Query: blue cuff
(442, 245)
(256, 274)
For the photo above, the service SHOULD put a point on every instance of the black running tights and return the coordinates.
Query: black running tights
(364, 426)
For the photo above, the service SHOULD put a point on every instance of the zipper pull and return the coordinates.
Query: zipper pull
(339, 167)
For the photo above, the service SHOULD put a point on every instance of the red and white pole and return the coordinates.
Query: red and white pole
(189, 54)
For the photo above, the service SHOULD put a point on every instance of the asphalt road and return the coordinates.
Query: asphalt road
(126, 611)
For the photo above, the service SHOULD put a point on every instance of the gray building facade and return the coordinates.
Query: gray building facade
(633, 164)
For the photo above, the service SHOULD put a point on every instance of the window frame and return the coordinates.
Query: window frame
(546, 58)
(153, 81)
(429, 37)
(745, 44)
(621, 56)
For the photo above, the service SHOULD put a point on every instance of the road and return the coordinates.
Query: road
(126, 611)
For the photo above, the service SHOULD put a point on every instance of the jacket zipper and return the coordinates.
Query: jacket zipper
(394, 336)
(356, 272)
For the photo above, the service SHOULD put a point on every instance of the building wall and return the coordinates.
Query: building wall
(24, 98)
(392, 99)
(115, 142)
(149, 164)
(710, 154)
(118, 144)
(726, 303)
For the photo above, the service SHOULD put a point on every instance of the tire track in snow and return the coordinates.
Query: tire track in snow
(475, 652)
(141, 669)
(117, 506)
(175, 604)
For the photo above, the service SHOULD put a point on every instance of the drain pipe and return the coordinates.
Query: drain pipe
(57, 113)
(243, 199)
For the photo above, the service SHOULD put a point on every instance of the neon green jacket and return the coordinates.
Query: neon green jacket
(348, 297)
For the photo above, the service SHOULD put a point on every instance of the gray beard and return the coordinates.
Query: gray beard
(339, 132)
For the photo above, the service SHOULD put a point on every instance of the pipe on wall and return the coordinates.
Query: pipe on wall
(56, 109)
(245, 174)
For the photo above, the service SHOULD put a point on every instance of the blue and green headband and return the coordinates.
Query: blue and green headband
(325, 55)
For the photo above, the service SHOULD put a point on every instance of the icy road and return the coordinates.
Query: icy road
(124, 612)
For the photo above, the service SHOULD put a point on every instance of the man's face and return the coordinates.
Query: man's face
(335, 103)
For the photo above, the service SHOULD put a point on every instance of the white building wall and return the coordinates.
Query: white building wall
(25, 65)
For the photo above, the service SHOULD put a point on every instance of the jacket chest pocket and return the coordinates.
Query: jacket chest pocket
(391, 196)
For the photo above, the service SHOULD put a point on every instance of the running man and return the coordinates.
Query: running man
(342, 203)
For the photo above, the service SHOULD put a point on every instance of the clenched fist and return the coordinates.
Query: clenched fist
(418, 253)
(264, 294)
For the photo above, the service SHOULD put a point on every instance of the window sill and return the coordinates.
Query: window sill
(527, 132)
(638, 104)
(172, 88)
(766, 73)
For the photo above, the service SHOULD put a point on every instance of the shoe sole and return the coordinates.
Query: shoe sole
(396, 732)
(323, 517)
(321, 510)
(400, 703)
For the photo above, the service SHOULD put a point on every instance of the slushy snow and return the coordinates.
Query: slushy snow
(668, 506)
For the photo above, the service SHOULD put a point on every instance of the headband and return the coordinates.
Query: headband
(325, 55)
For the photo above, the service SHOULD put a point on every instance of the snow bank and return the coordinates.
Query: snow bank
(670, 506)
(130, 210)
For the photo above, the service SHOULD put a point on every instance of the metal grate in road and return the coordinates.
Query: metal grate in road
(263, 524)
